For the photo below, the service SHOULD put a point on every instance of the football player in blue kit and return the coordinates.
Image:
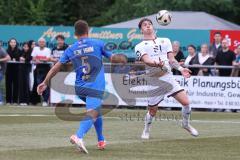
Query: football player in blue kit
(86, 56)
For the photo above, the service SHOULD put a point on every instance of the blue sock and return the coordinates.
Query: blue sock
(84, 127)
(98, 127)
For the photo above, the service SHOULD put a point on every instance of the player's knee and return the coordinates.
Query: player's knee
(185, 102)
(92, 113)
(153, 111)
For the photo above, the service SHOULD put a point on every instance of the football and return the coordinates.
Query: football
(164, 17)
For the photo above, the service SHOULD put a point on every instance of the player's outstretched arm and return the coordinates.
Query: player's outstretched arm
(53, 71)
(174, 64)
(148, 61)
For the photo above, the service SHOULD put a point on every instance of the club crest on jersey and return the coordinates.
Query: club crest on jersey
(162, 41)
(138, 54)
(78, 52)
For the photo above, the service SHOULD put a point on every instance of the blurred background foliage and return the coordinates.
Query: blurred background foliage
(104, 12)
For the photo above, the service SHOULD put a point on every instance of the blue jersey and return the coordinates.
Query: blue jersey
(86, 57)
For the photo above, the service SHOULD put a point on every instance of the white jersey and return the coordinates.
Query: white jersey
(155, 49)
(167, 86)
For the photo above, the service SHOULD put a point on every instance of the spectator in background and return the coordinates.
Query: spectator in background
(12, 78)
(216, 46)
(26, 53)
(202, 58)
(13, 50)
(122, 68)
(191, 54)
(58, 50)
(4, 57)
(34, 97)
(24, 72)
(236, 72)
(31, 45)
(40, 55)
(236, 63)
(225, 57)
(179, 56)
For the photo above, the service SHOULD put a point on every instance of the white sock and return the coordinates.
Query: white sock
(148, 121)
(186, 112)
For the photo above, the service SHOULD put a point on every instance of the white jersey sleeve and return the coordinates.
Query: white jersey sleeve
(140, 50)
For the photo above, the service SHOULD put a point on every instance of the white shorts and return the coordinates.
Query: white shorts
(165, 85)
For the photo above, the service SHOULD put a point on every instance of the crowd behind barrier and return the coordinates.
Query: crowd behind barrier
(23, 69)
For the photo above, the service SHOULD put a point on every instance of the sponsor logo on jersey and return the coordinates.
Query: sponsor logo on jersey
(88, 49)
(138, 53)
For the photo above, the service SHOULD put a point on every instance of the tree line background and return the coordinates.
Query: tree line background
(104, 12)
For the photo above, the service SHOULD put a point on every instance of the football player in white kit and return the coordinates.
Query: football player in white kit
(157, 52)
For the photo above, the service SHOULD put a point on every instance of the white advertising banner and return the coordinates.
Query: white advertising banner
(203, 92)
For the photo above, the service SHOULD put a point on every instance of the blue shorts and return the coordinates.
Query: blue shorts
(92, 103)
(92, 97)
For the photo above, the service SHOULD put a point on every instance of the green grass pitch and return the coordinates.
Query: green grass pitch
(28, 133)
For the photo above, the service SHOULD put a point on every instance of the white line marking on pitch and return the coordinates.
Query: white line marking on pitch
(44, 115)
(209, 121)
(25, 115)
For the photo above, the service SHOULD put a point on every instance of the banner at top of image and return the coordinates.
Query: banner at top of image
(119, 40)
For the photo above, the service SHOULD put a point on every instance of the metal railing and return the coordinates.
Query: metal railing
(188, 66)
(212, 66)
(138, 66)
(31, 62)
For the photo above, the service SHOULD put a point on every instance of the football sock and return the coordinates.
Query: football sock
(98, 124)
(84, 127)
(186, 112)
(148, 121)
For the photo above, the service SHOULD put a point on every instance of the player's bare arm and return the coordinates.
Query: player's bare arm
(174, 64)
(53, 71)
(152, 63)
